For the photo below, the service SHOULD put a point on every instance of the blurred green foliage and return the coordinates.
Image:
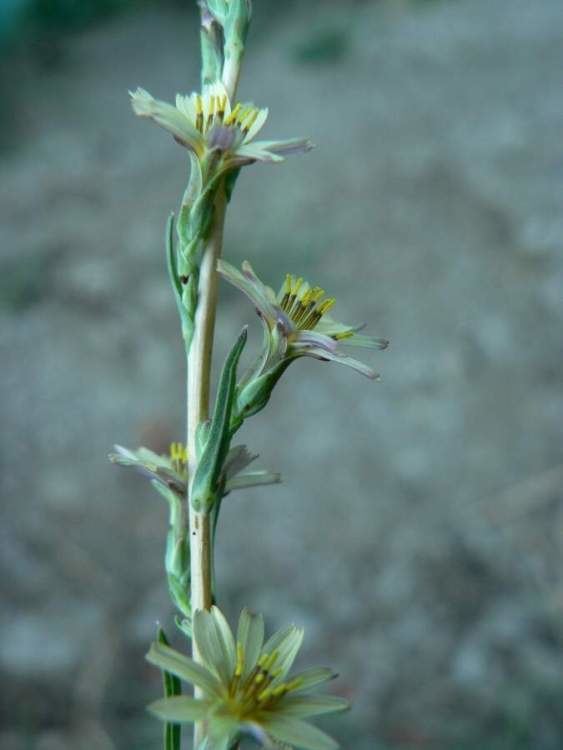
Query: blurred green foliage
(327, 45)
(70, 14)
(21, 285)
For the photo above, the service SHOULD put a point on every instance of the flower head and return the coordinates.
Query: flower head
(206, 123)
(244, 685)
(296, 323)
(171, 471)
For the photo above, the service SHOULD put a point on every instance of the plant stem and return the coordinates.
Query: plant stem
(199, 371)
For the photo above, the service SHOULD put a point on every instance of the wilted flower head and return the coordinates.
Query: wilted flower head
(206, 123)
(245, 686)
(171, 471)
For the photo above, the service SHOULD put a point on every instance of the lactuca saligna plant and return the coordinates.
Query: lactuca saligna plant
(242, 687)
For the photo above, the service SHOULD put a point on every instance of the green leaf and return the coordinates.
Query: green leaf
(230, 182)
(206, 478)
(172, 265)
(202, 435)
(172, 686)
(194, 190)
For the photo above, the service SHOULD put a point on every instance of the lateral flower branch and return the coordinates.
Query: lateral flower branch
(241, 684)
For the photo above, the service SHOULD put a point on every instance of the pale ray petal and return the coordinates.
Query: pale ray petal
(210, 646)
(186, 105)
(248, 479)
(238, 458)
(303, 706)
(226, 638)
(217, 88)
(365, 342)
(342, 359)
(249, 284)
(257, 125)
(179, 709)
(168, 659)
(286, 643)
(297, 732)
(251, 152)
(287, 147)
(314, 338)
(250, 635)
(221, 742)
(168, 117)
(348, 335)
(310, 678)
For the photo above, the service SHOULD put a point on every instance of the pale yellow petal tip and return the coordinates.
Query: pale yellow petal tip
(142, 102)
(216, 88)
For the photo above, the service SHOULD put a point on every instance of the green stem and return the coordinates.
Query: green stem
(199, 371)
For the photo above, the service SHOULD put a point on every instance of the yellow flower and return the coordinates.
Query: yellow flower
(245, 685)
(206, 123)
(296, 323)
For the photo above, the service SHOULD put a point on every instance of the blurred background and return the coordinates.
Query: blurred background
(418, 532)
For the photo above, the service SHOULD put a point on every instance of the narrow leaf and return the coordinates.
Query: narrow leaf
(217, 446)
(172, 266)
(172, 686)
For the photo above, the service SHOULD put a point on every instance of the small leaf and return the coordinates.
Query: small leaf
(172, 686)
(207, 474)
(172, 265)
(230, 182)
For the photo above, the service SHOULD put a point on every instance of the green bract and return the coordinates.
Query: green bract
(244, 685)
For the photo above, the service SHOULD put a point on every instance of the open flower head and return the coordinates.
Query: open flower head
(206, 123)
(244, 685)
(297, 324)
(171, 470)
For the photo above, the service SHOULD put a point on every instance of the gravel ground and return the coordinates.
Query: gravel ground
(417, 534)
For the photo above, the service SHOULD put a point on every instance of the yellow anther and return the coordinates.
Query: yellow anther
(306, 297)
(234, 114)
(264, 695)
(343, 335)
(240, 660)
(198, 113)
(221, 106)
(273, 659)
(242, 114)
(178, 453)
(249, 120)
(260, 677)
(294, 684)
(325, 305)
(317, 293)
(287, 284)
(296, 285)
